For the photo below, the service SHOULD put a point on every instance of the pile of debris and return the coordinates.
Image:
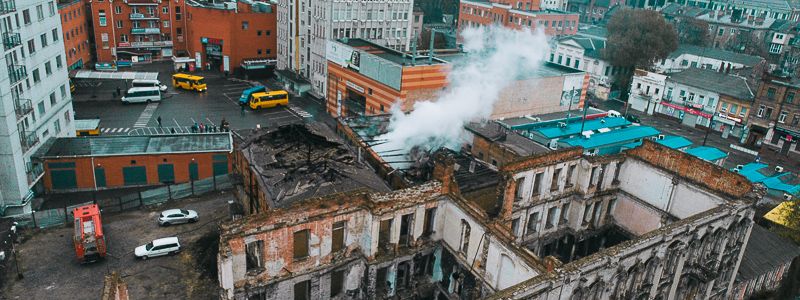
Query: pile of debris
(301, 161)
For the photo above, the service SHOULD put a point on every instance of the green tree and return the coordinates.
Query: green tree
(637, 38)
(692, 31)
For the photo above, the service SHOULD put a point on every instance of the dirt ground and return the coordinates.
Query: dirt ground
(51, 271)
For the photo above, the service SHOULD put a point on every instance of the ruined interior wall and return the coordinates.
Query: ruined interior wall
(530, 97)
(320, 284)
(636, 217)
(665, 191)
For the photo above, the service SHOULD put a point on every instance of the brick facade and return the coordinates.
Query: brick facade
(76, 30)
(553, 22)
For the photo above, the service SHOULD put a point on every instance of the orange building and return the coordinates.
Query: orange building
(89, 163)
(244, 37)
(365, 78)
(76, 30)
(516, 15)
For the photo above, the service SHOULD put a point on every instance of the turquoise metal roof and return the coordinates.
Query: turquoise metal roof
(707, 153)
(675, 142)
(785, 182)
(624, 135)
(574, 128)
(750, 171)
(631, 145)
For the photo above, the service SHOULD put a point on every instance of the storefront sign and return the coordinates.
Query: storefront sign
(124, 44)
(723, 116)
(354, 86)
(206, 40)
(137, 16)
(687, 109)
(343, 55)
(145, 30)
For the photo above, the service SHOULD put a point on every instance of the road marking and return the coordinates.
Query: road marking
(299, 111)
(147, 113)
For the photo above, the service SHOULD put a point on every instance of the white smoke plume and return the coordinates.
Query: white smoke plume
(495, 57)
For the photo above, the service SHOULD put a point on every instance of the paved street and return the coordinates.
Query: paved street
(180, 109)
(673, 127)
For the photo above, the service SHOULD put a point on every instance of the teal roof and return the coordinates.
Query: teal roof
(139, 145)
(574, 128)
(624, 135)
(707, 153)
(675, 142)
(632, 145)
(784, 182)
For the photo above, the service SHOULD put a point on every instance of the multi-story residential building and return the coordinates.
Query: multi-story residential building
(740, 33)
(773, 9)
(138, 30)
(698, 97)
(244, 35)
(585, 52)
(690, 56)
(776, 121)
(304, 27)
(554, 4)
(75, 22)
(592, 11)
(36, 101)
(524, 14)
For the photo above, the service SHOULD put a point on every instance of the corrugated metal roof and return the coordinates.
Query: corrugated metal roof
(780, 214)
(137, 145)
(764, 252)
(714, 81)
(751, 172)
(85, 74)
(747, 60)
(707, 153)
(574, 128)
(628, 134)
(675, 142)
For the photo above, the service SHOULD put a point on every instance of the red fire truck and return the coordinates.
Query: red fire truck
(90, 244)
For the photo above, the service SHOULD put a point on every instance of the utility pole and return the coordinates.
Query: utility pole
(569, 108)
(583, 120)
(708, 129)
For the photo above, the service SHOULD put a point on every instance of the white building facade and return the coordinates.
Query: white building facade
(554, 4)
(583, 53)
(36, 101)
(305, 25)
(688, 56)
(646, 91)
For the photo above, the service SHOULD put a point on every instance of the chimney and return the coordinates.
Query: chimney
(443, 169)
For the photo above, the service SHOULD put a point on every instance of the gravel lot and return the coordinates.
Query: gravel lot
(51, 271)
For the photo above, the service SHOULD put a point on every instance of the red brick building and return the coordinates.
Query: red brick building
(76, 29)
(245, 34)
(89, 163)
(516, 15)
(138, 30)
(223, 34)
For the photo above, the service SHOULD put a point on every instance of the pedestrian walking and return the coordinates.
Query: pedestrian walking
(159, 121)
(202, 128)
(194, 128)
(243, 106)
(119, 92)
(172, 130)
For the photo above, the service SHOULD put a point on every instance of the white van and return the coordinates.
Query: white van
(149, 83)
(142, 94)
(158, 247)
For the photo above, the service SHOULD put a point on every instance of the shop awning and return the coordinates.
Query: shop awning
(85, 74)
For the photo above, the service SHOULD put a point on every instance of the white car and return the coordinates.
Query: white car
(158, 247)
(177, 216)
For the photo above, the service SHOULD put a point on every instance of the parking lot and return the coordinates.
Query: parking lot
(180, 110)
(51, 271)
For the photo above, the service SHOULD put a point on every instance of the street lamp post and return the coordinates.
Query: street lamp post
(13, 236)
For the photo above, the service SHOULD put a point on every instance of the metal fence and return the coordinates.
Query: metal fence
(60, 216)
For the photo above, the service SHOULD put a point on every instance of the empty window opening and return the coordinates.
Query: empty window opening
(465, 231)
(405, 229)
(554, 183)
(552, 217)
(301, 244)
(533, 222)
(254, 255)
(384, 234)
(520, 189)
(570, 171)
(337, 282)
(337, 237)
(302, 290)
(430, 218)
(537, 183)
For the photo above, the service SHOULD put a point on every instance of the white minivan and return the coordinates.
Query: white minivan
(158, 247)
(149, 83)
(142, 94)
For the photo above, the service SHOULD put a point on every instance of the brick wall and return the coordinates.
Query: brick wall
(75, 31)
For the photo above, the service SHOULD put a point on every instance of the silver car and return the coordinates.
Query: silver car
(177, 216)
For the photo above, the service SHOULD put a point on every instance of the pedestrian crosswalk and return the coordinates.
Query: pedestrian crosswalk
(115, 130)
(147, 113)
(299, 111)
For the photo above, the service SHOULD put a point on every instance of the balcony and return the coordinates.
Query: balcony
(138, 16)
(28, 139)
(11, 40)
(7, 6)
(17, 73)
(154, 30)
(22, 107)
(34, 171)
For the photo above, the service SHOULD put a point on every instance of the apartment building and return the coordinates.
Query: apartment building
(138, 30)
(75, 21)
(519, 15)
(775, 122)
(36, 101)
(304, 27)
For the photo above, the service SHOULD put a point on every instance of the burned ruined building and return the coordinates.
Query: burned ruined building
(650, 223)
(280, 166)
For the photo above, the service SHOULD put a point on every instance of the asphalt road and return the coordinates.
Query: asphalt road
(180, 109)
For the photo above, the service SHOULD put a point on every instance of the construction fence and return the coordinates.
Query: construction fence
(61, 216)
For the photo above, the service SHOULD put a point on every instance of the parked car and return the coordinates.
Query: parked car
(177, 216)
(158, 247)
(634, 119)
